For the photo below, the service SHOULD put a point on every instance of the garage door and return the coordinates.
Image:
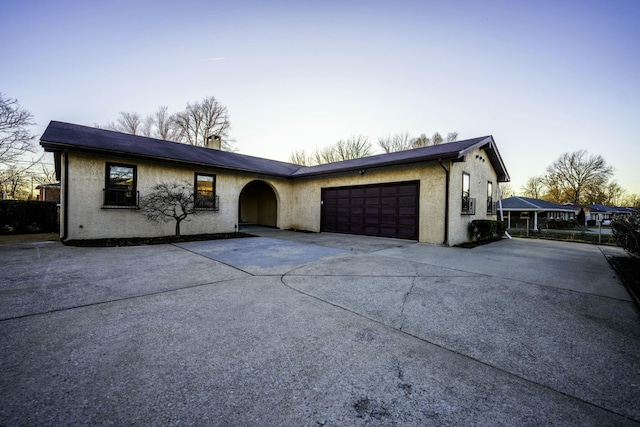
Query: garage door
(386, 210)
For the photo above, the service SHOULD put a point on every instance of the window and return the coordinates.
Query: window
(205, 191)
(490, 205)
(468, 204)
(120, 186)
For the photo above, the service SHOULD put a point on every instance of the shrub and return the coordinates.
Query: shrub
(485, 229)
(626, 231)
(21, 216)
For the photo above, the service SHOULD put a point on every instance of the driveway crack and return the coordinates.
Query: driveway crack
(404, 301)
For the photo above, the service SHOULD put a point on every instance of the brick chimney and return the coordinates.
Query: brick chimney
(213, 141)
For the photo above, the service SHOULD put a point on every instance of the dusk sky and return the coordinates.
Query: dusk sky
(543, 77)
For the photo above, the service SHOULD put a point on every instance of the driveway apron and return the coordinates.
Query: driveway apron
(316, 329)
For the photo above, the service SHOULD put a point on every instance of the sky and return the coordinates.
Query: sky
(543, 77)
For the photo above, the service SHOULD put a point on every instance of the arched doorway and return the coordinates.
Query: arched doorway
(258, 205)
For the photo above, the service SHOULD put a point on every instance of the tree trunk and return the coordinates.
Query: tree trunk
(177, 229)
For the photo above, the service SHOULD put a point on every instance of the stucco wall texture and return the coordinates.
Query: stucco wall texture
(298, 201)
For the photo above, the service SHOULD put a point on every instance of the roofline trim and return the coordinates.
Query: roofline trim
(58, 146)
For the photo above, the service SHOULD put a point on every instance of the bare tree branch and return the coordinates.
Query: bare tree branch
(128, 122)
(396, 142)
(572, 174)
(15, 139)
(169, 201)
(161, 125)
(299, 157)
(203, 119)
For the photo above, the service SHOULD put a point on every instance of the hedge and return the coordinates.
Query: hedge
(19, 216)
(626, 231)
(485, 229)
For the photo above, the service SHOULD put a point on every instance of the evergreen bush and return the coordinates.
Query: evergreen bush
(20, 216)
(486, 229)
(626, 231)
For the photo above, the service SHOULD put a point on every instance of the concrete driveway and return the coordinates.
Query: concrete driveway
(295, 329)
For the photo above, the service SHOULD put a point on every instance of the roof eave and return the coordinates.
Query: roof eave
(58, 147)
(305, 174)
(489, 145)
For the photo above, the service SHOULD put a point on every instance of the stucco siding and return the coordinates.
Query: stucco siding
(307, 195)
(89, 219)
(296, 205)
(480, 173)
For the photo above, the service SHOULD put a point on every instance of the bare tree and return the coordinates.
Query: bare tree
(452, 137)
(421, 141)
(201, 120)
(553, 193)
(194, 125)
(14, 182)
(573, 173)
(15, 137)
(534, 187)
(610, 194)
(424, 141)
(354, 147)
(128, 122)
(506, 190)
(299, 157)
(324, 155)
(631, 201)
(169, 201)
(161, 125)
(396, 142)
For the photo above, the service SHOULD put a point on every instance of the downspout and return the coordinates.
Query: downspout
(446, 203)
(65, 205)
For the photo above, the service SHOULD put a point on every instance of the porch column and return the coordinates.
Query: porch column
(509, 219)
(535, 220)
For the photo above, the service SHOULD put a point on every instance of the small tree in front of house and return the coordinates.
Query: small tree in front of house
(169, 201)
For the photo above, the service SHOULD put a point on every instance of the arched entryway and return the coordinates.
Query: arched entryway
(258, 205)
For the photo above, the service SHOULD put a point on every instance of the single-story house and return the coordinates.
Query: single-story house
(518, 210)
(604, 214)
(49, 192)
(429, 194)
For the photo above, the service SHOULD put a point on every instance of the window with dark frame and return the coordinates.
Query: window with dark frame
(120, 185)
(466, 200)
(490, 208)
(205, 191)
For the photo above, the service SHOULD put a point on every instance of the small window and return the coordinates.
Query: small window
(205, 191)
(490, 205)
(468, 205)
(120, 185)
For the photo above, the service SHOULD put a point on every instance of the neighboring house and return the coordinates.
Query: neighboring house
(517, 210)
(49, 192)
(604, 214)
(577, 208)
(428, 194)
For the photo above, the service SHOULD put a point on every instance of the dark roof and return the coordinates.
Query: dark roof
(610, 209)
(450, 151)
(59, 136)
(517, 203)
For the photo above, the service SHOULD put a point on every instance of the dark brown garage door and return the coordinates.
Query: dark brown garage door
(386, 210)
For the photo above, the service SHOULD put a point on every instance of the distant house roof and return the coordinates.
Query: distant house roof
(610, 209)
(56, 185)
(60, 136)
(517, 203)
